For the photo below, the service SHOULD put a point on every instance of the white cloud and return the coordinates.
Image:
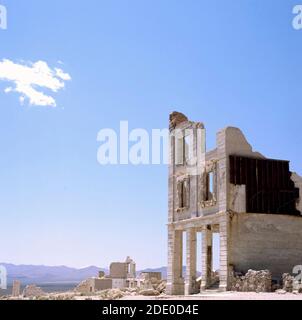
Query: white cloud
(30, 80)
(61, 74)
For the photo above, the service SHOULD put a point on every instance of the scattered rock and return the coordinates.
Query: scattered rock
(280, 291)
(32, 291)
(252, 281)
(149, 292)
(161, 288)
(288, 282)
(84, 287)
(111, 294)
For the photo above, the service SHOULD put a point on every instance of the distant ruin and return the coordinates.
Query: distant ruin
(122, 275)
(16, 291)
(254, 203)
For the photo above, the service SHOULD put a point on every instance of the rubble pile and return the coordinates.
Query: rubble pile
(32, 291)
(112, 294)
(151, 284)
(288, 282)
(252, 281)
(215, 278)
(149, 292)
(83, 287)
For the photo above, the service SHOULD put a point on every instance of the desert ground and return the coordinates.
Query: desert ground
(224, 296)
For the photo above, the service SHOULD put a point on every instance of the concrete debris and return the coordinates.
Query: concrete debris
(161, 288)
(152, 281)
(149, 292)
(280, 291)
(215, 278)
(112, 294)
(252, 281)
(32, 291)
(288, 282)
(83, 287)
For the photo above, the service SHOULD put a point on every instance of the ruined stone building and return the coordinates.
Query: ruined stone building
(122, 275)
(254, 203)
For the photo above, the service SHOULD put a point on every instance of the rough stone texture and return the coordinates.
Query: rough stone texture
(265, 241)
(94, 284)
(31, 291)
(161, 287)
(252, 281)
(176, 118)
(84, 287)
(151, 275)
(118, 270)
(288, 282)
(152, 281)
(113, 294)
(119, 283)
(123, 270)
(149, 292)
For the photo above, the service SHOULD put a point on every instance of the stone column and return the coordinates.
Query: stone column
(175, 281)
(132, 269)
(190, 286)
(16, 288)
(207, 259)
(224, 252)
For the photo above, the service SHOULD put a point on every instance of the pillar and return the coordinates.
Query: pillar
(16, 288)
(207, 259)
(190, 286)
(175, 281)
(224, 252)
(132, 270)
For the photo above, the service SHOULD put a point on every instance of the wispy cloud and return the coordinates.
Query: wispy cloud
(31, 79)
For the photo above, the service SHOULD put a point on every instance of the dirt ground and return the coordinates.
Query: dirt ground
(224, 296)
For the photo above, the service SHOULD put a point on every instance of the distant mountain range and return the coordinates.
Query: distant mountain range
(30, 274)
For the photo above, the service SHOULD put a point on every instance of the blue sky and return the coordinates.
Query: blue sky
(226, 62)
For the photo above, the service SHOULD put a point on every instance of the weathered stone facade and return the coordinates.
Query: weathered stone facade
(122, 275)
(253, 203)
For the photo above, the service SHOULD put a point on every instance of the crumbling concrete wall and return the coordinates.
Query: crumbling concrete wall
(118, 270)
(265, 241)
(102, 284)
(247, 240)
(92, 285)
(119, 283)
(151, 275)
